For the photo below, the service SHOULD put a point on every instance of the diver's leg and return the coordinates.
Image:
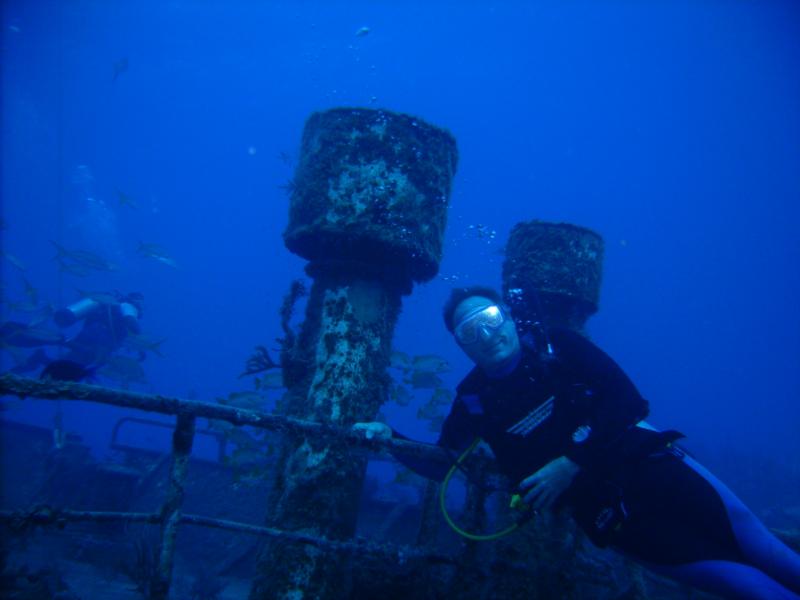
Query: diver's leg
(727, 579)
(680, 548)
(762, 549)
(35, 361)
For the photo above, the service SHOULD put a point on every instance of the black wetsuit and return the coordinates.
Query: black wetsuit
(103, 332)
(635, 491)
(580, 405)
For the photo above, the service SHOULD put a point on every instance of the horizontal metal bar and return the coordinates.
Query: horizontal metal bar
(48, 516)
(25, 387)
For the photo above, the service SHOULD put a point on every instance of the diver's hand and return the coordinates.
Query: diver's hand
(548, 483)
(374, 429)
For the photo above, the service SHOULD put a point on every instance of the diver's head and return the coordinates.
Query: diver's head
(482, 326)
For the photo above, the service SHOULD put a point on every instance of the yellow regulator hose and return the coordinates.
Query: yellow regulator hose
(443, 492)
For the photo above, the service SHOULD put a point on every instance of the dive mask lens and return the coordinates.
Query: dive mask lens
(490, 318)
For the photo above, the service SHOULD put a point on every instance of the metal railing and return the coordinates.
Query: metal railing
(170, 516)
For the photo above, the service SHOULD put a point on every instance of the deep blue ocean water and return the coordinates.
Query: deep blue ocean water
(670, 128)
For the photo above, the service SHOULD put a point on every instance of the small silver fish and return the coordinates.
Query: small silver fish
(401, 395)
(126, 200)
(430, 363)
(81, 258)
(246, 400)
(399, 360)
(120, 66)
(422, 379)
(123, 369)
(271, 380)
(144, 343)
(158, 253)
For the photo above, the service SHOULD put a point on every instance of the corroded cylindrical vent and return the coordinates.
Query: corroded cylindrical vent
(372, 186)
(559, 262)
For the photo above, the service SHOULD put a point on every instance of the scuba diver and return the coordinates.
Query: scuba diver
(565, 424)
(108, 319)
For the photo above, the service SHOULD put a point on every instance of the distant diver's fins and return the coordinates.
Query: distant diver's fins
(66, 370)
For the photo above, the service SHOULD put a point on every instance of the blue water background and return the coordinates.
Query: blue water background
(671, 128)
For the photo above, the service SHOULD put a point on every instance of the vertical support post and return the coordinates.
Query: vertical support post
(368, 209)
(182, 439)
(474, 558)
(431, 520)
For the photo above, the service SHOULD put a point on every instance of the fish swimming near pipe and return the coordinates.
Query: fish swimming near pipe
(156, 252)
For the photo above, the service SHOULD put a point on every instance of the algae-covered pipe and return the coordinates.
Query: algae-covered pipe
(182, 440)
(368, 210)
(24, 387)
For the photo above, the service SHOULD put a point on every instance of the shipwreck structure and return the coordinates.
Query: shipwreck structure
(368, 209)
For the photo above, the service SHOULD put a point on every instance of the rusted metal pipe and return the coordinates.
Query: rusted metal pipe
(24, 387)
(46, 516)
(182, 439)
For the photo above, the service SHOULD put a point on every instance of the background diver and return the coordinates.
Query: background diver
(566, 425)
(108, 320)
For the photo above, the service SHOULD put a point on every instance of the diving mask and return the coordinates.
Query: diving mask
(489, 318)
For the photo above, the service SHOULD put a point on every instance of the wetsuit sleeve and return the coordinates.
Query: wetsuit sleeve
(605, 394)
(455, 438)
